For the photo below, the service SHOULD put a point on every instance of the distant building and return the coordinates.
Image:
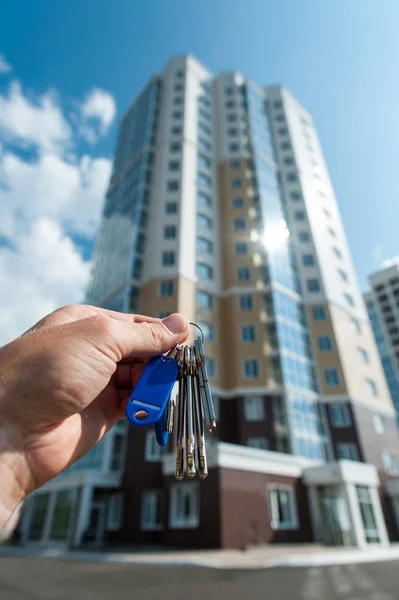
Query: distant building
(220, 206)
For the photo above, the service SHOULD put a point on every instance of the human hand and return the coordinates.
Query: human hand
(64, 384)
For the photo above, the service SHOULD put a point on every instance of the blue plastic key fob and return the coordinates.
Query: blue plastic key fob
(160, 429)
(149, 397)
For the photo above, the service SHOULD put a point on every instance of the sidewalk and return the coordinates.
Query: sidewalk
(264, 557)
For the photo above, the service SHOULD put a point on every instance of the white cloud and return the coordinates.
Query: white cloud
(390, 262)
(5, 66)
(39, 123)
(100, 107)
(43, 203)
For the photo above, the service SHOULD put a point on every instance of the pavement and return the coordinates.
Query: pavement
(28, 578)
(259, 557)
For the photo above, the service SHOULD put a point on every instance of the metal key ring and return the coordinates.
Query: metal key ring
(198, 327)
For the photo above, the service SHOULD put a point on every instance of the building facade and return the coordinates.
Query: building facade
(220, 207)
(382, 304)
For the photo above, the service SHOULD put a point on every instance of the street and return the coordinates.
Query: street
(52, 579)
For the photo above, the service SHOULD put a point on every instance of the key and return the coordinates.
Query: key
(180, 434)
(202, 465)
(171, 407)
(206, 391)
(189, 413)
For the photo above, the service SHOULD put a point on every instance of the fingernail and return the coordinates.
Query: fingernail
(175, 323)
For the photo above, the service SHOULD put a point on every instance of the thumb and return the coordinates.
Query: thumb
(142, 337)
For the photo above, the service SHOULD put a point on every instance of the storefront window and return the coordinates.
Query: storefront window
(61, 515)
(368, 516)
(38, 516)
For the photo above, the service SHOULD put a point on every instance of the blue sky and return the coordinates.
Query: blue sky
(339, 58)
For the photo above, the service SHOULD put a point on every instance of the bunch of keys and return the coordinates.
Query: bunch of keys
(154, 402)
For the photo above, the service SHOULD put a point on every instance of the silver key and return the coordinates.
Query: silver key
(180, 434)
(210, 416)
(202, 465)
(189, 413)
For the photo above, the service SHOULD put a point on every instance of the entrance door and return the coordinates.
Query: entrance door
(94, 534)
(334, 517)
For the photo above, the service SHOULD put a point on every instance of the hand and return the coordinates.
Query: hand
(64, 384)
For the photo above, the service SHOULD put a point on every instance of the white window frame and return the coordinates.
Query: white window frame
(246, 296)
(250, 377)
(386, 460)
(167, 283)
(150, 445)
(325, 337)
(254, 408)
(284, 525)
(243, 270)
(151, 497)
(245, 329)
(177, 521)
(346, 421)
(253, 442)
(352, 448)
(332, 385)
(371, 387)
(379, 423)
(363, 355)
(115, 512)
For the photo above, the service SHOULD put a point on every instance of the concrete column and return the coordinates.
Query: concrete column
(315, 516)
(83, 514)
(356, 517)
(49, 517)
(379, 516)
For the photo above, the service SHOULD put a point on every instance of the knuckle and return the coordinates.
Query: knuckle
(156, 335)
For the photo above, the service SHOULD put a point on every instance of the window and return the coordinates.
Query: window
(204, 222)
(172, 186)
(204, 246)
(174, 165)
(296, 196)
(299, 215)
(277, 104)
(332, 377)
(285, 146)
(243, 273)
(179, 74)
(208, 330)
(246, 302)
(325, 343)
(169, 232)
(241, 248)
(356, 325)
(282, 131)
(61, 517)
(239, 224)
(204, 271)
(337, 252)
(379, 424)
(174, 147)
(261, 443)
(204, 180)
(178, 100)
(340, 415)
(231, 118)
(371, 387)
(251, 368)
(232, 131)
(229, 91)
(343, 275)
(303, 236)
(390, 462)
(368, 516)
(254, 408)
(308, 260)
(166, 288)
(327, 213)
(235, 164)
(210, 367)
(363, 355)
(280, 117)
(151, 519)
(204, 201)
(349, 300)
(204, 144)
(204, 161)
(332, 232)
(168, 259)
(115, 512)
(236, 183)
(288, 160)
(247, 333)
(283, 508)
(234, 148)
(204, 128)
(184, 506)
(319, 313)
(178, 87)
(238, 202)
(204, 299)
(313, 285)
(291, 177)
(347, 452)
(171, 208)
(177, 114)
(153, 452)
(39, 509)
(176, 130)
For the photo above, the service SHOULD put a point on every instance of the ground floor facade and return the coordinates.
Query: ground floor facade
(251, 497)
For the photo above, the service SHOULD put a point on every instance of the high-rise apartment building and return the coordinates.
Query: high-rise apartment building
(382, 303)
(220, 206)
